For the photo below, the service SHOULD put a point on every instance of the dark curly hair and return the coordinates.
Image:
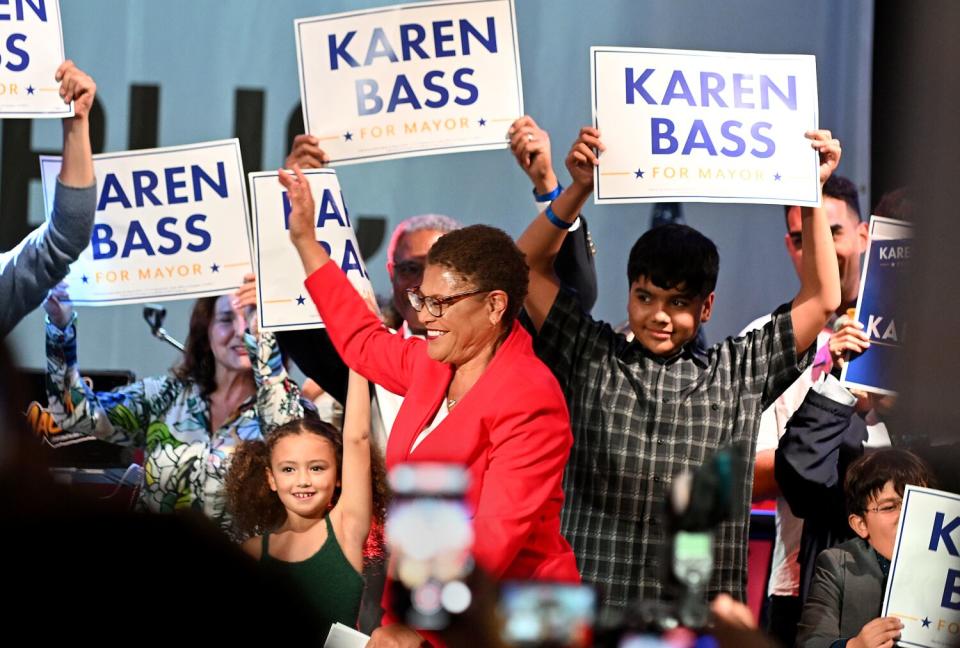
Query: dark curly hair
(198, 365)
(487, 258)
(256, 509)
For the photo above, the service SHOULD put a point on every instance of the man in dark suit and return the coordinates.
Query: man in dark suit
(843, 607)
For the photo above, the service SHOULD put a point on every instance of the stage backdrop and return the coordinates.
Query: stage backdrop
(180, 72)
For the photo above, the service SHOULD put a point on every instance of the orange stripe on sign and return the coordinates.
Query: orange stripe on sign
(904, 616)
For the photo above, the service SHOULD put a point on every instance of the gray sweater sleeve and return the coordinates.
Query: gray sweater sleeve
(43, 258)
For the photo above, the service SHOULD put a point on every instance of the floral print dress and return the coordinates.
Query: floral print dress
(185, 465)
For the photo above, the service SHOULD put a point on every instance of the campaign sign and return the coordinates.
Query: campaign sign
(171, 224)
(880, 307)
(688, 126)
(923, 588)
(410, 80)
(283, 302)
(31, 50)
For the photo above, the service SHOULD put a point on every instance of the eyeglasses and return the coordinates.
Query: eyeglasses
(408, 270)
(886, 509)
(435, 304)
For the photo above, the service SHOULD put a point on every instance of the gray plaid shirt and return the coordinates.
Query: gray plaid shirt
(638, 420)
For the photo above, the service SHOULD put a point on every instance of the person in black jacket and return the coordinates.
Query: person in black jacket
(823, 437)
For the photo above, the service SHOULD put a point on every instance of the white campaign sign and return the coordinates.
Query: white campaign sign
(31, 50)
(690, 126)
(409, 80)
(171, 224)
(283, 302)
(923, 588)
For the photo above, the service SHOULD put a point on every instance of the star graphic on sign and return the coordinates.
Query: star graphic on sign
(483, 122)
(214, 268)
(348, 136)
(926, 622)
(776, 177)
(300, 300)
(30, 89)
(638, 173)
(85, 279)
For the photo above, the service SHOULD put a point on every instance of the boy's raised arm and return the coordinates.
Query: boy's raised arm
(819, 294)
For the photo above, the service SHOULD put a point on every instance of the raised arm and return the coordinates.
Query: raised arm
(808, 458)
(573, 264)
(355, 508)
(358, 335)
(819, 294)
(302, 231)
(543, 237)
(278, 396)
(78, 87)
(530, 145)
(311, 349)
(120, 416)
(44, 256)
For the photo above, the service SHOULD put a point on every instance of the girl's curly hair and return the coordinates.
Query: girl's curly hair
(256, 509)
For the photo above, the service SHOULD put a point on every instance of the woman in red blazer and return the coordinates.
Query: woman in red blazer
(474, 392)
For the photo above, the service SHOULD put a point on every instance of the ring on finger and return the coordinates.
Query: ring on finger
(529, 137)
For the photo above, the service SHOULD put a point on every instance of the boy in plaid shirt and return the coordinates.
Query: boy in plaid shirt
(644, 410)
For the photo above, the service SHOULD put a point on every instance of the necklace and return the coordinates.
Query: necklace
(451, 402)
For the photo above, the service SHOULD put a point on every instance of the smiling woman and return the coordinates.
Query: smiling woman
(476, 355)
(231, 386)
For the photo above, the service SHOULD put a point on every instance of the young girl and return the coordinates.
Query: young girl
(312, 493)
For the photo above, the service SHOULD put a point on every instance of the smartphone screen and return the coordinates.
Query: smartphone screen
(551, 614)
(429, 534)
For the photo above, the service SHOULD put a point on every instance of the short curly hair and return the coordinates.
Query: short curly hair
(487, 258)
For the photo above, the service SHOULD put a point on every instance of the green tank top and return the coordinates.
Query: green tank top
(327, 580)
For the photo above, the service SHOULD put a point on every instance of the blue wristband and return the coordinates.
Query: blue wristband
(550, 195)
(555, 221)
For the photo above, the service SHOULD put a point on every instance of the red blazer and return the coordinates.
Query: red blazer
(511, 431)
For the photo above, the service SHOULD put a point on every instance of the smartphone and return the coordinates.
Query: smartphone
(429, 534)
(547, 614)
